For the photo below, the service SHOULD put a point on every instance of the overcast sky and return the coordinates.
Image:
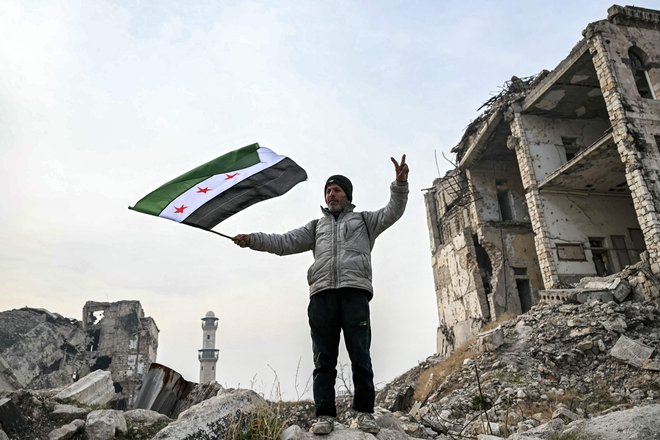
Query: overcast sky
(101, 102)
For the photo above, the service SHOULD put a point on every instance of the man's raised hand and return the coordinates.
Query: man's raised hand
(401, 169)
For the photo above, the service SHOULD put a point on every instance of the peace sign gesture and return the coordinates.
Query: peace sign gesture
(401, 169)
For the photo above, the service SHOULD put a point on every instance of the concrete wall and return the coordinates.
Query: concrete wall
(124, 340)
(462, 302)
(545, 143)
(575, 218)
(483, 178)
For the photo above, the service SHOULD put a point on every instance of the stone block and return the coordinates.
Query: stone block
(94, 389)
(490, 340)
(11, 418)
(104, 424)
(69, 412)
(588, 296)
(565, 414)
(651, 364)
(67, 431)
(631, 351)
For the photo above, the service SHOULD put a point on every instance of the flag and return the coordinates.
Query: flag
(213, 192)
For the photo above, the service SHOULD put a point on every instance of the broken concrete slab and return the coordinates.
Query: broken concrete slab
(631, 351)
(214, 416)
(490, 340)
(94, 389)
(651, 364)
(69, 412)
(11, 418)
(145, 417)
(104, 424)
(640, 423)
(589, 296)
(618, 287)
(67, 431)
(565, 414)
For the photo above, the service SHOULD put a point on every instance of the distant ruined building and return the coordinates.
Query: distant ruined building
(557, 180)
(40, 349)
(122, 340)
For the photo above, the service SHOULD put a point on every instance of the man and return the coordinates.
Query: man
(340, 289)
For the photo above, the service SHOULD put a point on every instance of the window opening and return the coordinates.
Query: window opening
(524, 293)
(640, 73)
(520, 271)
(571, 147)
(600, 256)
(504, 200)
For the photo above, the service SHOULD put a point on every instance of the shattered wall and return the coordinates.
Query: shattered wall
(123, 339)
(462, 302)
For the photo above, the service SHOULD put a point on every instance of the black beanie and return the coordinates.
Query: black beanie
(343, 183)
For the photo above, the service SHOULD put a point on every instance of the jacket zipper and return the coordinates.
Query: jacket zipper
(335, 252)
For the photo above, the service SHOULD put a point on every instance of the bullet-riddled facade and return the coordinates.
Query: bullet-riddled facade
(557, 180)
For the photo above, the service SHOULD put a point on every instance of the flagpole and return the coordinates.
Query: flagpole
(220, 234)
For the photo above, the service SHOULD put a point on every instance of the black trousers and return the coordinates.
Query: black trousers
(330, 312)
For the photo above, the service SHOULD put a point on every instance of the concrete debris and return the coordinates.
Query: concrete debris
(145, 417)
(651, 364)
(104, 424)
(490, 340)
(641, 423)
(69, 412)
(565, 414)
(3, 435)
(213, 417)
(555, 361)
(67, 431)
(94, 389)
(630, 351)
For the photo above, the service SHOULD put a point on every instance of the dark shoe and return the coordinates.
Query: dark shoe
(323, 425)
(365, 422)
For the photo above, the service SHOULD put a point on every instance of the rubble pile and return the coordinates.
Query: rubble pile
(557, 362)
(561, 370)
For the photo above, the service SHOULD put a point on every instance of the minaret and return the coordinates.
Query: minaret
(208, 355)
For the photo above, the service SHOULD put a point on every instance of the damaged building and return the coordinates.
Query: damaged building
(40, 349)
(123, 341)
(557, 180)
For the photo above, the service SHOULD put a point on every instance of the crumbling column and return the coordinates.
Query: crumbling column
(547, 263)
(629, 139)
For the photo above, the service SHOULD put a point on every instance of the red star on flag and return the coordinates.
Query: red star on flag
(230, 176)
(203, 190)
(180, 209)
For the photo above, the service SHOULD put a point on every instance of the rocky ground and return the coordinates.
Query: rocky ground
(567, 371)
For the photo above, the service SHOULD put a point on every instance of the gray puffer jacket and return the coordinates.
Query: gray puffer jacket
(341, 247)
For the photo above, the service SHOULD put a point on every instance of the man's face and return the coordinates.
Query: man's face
(335, 198)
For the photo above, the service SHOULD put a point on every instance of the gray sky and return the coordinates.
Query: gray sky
(102, 102)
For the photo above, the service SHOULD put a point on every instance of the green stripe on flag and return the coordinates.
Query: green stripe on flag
(154, 202)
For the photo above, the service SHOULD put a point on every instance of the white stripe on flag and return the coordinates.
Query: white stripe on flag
(193, 198)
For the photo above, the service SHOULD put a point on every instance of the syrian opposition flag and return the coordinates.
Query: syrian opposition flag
(212, 192)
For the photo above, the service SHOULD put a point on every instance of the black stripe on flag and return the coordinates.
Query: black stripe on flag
(271, 182)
